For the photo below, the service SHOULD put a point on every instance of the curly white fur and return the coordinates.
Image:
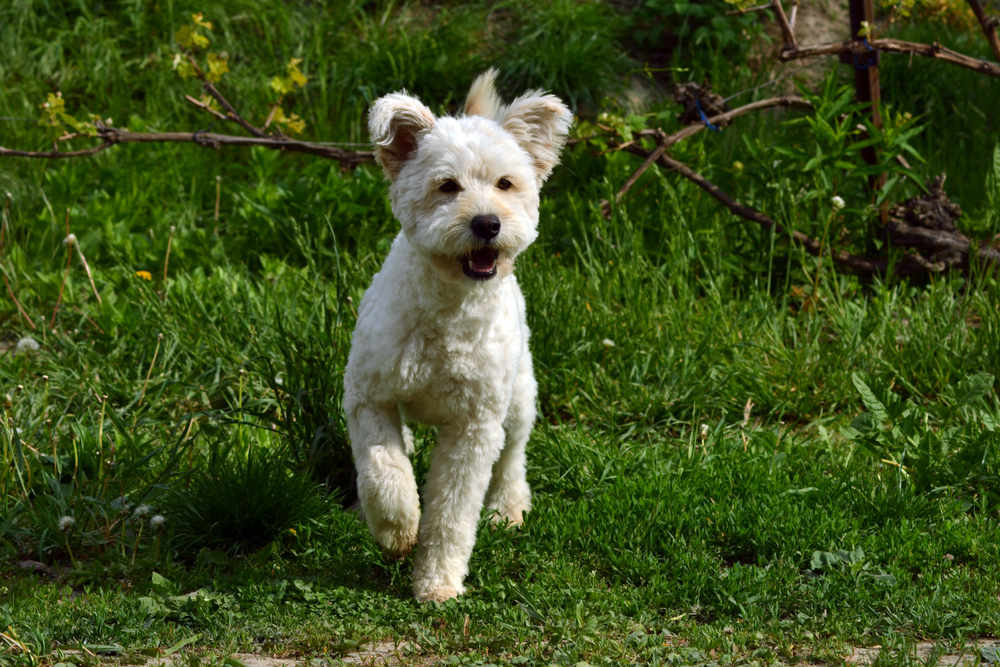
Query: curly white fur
(438, 346)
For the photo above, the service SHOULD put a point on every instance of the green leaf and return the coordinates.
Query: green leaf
(183, 36)
(990, 654)
(823, 559)
(973, 388)
(217, 66)
(266, 552)
(864, 423)
(181, 644)
(294, 74)
(869, 398)
(197, 20)
(182, 66)
(163, 585)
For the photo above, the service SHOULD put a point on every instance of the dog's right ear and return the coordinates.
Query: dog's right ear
(395, 123)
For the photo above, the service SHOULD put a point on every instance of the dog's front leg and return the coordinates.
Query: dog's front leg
(453, 499)
(386, 486)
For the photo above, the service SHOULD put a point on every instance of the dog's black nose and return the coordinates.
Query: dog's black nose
(486, 226)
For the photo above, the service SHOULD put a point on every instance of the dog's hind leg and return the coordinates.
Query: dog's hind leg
(509, 495)
(386, 486)
(453, 500)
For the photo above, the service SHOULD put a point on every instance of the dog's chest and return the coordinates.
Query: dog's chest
(458, 368)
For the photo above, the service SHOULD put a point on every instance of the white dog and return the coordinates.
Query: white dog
(441, 336)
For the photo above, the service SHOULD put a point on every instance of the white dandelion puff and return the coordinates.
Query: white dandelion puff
(837, 203)
(70, 240)
(142, 511)
(703, 431)
(608, 343)
(66, 523)
(156, 523)
(25, 345)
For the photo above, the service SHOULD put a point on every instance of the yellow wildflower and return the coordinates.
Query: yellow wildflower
(145, 275)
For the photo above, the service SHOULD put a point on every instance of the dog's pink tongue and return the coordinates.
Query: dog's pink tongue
(482, 259)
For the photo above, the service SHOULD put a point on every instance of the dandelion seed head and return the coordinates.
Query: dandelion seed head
(142, 511)
(156, 523)
(25, 345)
(66, 523)
(70, 240)
(608, 343)
(703, 431)
(837, 202)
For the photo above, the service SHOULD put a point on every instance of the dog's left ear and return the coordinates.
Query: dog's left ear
(539, 123)
(395, 124)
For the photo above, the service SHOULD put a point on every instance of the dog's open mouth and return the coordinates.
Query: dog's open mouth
(480, 264)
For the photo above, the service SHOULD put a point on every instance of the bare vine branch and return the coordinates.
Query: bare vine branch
(810, 244)
(665, 141)
(112, 137)
(202, 105)
(935, 51)
(233, 115)
(956, 247)
(989, 25)
(786, 28)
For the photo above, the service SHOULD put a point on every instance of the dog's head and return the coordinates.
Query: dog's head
(466, 189)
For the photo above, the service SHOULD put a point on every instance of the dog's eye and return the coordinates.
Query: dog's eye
(449, 186)
(504, 184)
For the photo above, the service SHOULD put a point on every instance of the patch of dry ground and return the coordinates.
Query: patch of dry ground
(923, 651)
(390, 654)
(378, 654)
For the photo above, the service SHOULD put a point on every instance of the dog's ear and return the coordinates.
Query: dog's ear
(395, 123)
(483, 99)
(539, 123)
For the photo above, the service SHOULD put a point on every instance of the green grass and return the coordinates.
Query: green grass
(665, 528)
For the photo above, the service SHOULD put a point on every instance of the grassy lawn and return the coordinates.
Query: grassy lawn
(744, 454)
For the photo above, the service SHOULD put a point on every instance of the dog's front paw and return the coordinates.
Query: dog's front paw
(509, 504)
(435, 593)
(396, 541)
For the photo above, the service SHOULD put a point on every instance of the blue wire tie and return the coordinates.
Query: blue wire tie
(704, 118)
(868, 64)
